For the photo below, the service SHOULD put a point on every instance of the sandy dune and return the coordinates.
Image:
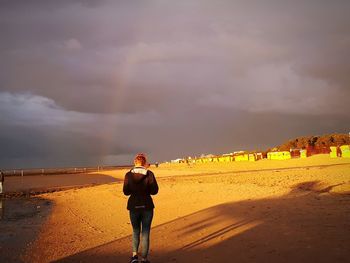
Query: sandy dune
(268, 211)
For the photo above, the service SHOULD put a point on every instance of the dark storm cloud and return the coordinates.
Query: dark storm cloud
(166, 76)
(36, 132)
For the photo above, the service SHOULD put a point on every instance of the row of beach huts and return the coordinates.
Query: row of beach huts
(333, 151)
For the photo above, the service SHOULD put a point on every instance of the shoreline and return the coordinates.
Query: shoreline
(36, 184)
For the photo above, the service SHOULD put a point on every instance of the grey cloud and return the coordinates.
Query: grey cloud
(42, 134)
(36, 131)
(164, 76)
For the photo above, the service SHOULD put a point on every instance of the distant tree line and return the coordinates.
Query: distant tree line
(321, 141)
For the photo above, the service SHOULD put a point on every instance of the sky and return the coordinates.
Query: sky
(85, 83)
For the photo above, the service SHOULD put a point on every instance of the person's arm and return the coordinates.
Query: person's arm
(153, 186)
(126, 188)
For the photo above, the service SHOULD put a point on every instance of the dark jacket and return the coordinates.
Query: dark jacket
(140, 184)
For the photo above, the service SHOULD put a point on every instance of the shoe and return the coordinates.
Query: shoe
(134, 259)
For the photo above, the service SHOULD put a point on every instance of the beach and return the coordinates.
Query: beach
(266, 211)
(239, 108)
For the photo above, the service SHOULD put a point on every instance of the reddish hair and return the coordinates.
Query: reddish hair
(140, 158)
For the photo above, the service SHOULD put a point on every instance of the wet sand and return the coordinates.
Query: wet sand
(268, 211)
(33, 184)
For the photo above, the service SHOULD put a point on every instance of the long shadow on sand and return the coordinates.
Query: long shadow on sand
(20, 222)
(307, 225)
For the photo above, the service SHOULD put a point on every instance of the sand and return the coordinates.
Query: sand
(53, 182)
(268, 211)
(20, 221)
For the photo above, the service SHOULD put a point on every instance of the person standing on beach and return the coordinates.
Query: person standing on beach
(2, 179)
(140, 183)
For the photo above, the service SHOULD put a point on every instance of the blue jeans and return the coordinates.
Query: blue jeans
(141, 218)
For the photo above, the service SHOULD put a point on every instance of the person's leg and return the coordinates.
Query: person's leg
(135, 218)
(147, 217)
(0, 187)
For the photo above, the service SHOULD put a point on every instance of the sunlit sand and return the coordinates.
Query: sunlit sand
(266, 211)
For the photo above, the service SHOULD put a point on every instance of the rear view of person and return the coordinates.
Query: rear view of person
(140, 183)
